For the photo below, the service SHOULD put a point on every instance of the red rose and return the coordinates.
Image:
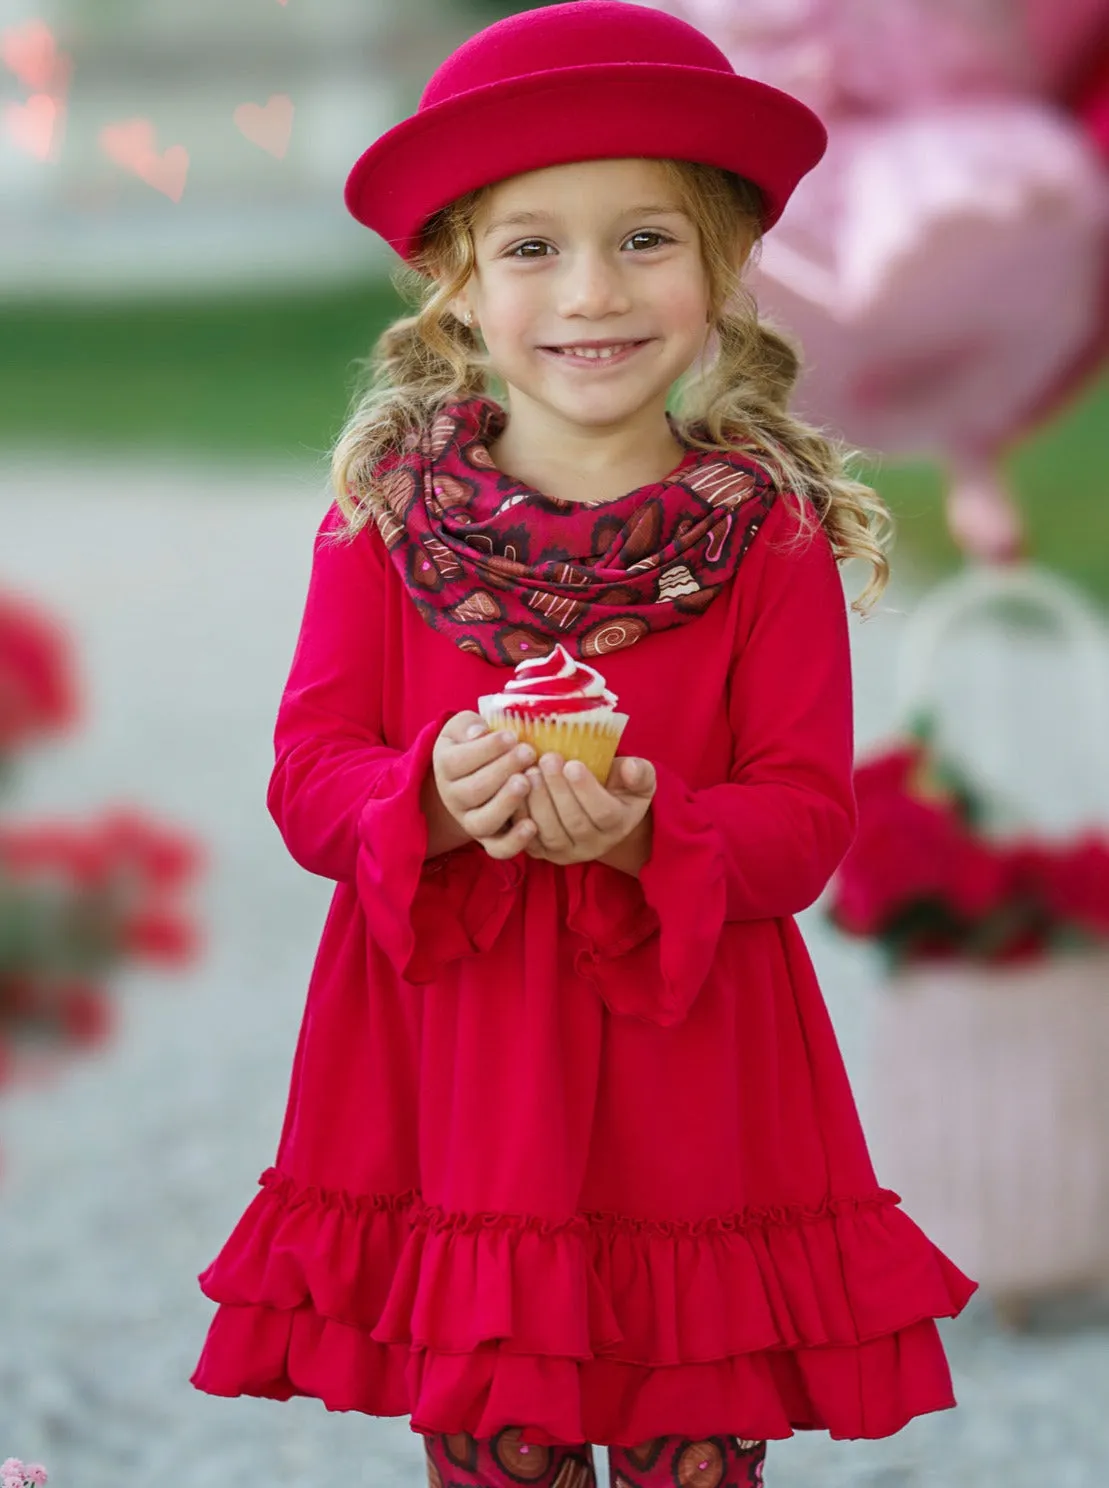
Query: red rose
(161, 936)
(910, 851)
(52, 847)
(1082, 884)
(1070, 880)
(163, 858)
(37, 687)
(887, 774)
(86, 1015)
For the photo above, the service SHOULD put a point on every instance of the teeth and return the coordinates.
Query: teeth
(595, 353)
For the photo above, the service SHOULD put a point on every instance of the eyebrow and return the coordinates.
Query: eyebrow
(530, 219)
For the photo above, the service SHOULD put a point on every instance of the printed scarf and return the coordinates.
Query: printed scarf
(504, 572)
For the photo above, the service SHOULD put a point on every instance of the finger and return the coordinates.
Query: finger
(464, 726)
(473, 790)
(571, 814)
(491, 816)
(514, 839)
(552, 834)
(631, 776)
(532, 845)
(602, 810)
(459, 757)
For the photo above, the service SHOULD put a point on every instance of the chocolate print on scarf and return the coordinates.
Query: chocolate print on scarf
(504, 571)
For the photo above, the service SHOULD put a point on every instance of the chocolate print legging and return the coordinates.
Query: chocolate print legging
(504, 1461)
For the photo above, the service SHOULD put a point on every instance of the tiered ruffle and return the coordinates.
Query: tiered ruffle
(602, 1329)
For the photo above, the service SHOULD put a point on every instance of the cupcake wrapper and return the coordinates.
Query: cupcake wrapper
(595, 744)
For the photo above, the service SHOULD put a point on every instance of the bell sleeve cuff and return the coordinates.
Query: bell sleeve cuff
(423, 913)
(346, 798)
(650, 941)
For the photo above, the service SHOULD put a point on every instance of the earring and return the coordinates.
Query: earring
(469, 317)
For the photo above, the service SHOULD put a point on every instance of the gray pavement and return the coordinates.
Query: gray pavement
(183, 588)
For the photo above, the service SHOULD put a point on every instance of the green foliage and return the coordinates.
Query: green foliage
(267, 374)
(485, 12)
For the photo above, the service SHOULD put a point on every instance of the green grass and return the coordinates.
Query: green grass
(261, 374)
(271, 374)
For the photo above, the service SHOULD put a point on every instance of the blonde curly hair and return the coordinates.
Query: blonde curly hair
(739, 398)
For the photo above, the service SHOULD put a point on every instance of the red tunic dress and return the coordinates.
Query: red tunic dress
(567, 1148)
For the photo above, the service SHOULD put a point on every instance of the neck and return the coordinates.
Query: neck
(553, 455)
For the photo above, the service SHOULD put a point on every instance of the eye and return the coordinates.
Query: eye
(518, 252)
(524, 250)
(649, 232)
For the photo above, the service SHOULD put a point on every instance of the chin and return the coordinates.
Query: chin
(595, 407)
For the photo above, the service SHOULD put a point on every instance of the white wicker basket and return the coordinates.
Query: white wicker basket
(989, 1086)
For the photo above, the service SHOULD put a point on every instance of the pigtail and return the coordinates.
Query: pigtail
(418, 364)
(742, 399)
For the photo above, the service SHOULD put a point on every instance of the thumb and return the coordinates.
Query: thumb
(458, 728)
(635, 776)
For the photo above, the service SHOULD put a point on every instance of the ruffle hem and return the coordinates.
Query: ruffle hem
(603, 1329)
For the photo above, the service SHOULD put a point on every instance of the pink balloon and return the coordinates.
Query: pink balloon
(1060, 34)
(947, 266)
(1090, 100)
(847, 56)
(851, 56)
(942, 270)
(782, 42)
(897, 55)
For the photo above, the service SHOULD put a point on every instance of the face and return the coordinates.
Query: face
(589, 291)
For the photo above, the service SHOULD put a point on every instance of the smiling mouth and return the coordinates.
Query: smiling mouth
(608, 353)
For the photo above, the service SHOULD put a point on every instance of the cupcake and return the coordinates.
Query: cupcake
(559, 706)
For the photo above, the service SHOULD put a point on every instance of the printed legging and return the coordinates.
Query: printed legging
(504, 1461)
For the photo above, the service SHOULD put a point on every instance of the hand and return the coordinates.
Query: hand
(473, 788)
(579, 820)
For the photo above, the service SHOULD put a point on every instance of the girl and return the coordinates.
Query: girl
(570, 1156)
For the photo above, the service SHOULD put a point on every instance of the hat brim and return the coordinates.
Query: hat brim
(596, 112)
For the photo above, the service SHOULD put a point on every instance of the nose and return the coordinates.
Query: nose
(592, 286)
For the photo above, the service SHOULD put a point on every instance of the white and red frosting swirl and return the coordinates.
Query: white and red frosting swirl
(555, 683)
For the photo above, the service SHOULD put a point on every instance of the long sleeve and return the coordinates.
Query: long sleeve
(786, 817)
(763, 844)
(346, 803)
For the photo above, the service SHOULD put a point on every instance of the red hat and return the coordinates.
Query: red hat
(588, 80)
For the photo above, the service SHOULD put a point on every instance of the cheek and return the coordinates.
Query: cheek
(510, 308)
(687, 318)
(683, 301)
